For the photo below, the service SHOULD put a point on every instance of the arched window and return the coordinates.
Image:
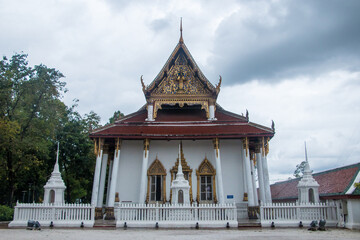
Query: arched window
(311, 195)
(156, 191)
(206, 191)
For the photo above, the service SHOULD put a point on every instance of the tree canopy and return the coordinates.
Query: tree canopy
(32, 119)
(299, 169)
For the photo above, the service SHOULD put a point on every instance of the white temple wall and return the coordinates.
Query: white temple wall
(353, 209)
(130, 164)
(129, 172)
(194, 153)
(232, 169)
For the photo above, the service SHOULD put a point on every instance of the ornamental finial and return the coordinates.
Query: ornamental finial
(218, 85)
(142, 83)
(181, 37)
(273, 125)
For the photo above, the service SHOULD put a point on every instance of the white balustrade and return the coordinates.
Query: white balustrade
(290, 214)
(165, 214)
(71, 215)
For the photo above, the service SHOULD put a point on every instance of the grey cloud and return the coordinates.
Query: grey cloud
(159, 24)
(313, 36)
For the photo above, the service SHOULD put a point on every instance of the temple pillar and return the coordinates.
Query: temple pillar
(109, 181)
(260, 177)
(145, 162)
(102, 179)
(245, 197)
(218, 171)
(115, 167)
(266, 173)
(250, 188)
(252, 165)
(95, 190)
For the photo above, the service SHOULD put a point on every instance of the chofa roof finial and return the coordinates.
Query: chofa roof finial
(181, 37)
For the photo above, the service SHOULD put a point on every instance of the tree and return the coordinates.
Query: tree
(117, 115)
(29, 108)
(299, 169)
(76, 154)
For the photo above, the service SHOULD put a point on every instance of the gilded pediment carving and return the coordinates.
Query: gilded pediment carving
(181, 79)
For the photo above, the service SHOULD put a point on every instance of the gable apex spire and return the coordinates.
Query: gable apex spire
(181, 40)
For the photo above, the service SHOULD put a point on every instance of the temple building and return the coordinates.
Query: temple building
(138, 156)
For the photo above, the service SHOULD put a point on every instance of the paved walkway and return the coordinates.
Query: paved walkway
(162, 234)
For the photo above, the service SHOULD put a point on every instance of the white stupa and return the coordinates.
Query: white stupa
(55, 186)
(308, 187)
(180, 186)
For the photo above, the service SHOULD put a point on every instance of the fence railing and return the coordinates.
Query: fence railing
(287, 214)
(163, 213)
(59, 214)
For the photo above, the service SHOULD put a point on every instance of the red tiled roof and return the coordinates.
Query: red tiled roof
(182, 124)
(332, 182)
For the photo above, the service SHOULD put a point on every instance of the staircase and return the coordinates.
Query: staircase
(105, 224)
(243, 219)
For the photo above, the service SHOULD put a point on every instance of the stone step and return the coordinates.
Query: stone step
(246, 223)
(105, 223)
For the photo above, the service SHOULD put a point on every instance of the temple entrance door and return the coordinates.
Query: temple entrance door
(181, 197)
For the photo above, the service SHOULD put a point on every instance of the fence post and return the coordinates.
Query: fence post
(157, 211)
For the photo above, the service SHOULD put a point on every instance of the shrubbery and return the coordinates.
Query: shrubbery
(6, 213)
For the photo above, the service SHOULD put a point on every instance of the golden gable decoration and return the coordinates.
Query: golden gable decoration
(181, 82)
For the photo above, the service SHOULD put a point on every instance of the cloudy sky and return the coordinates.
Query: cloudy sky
(296, 62)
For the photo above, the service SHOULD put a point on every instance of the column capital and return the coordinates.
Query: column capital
(246, 145)
(216, 146)
(117, 146)
(98, 146)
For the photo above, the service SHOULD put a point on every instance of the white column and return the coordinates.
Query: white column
(266, 179)
(143, 172)
(109, 181)
(250, 188)
(219, 172)
(114, 173)
(243, 169)
(260, 177)
(102, 180)
(212, 112)
(150, 110)
(96, 182)
(256, 200)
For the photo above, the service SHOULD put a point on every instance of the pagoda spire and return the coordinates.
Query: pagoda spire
(306, 158)
(181, 37)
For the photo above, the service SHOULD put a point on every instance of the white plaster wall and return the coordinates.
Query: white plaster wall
(129, 172)
(130, 164)
(232, 169)
(353, 221)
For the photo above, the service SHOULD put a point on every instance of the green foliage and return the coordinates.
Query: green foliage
(6, 213)
(117, 115)
(299, 169)
(32, 119)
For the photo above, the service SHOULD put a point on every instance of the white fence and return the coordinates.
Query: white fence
(290, 214)
(166, 215)
(62, 215)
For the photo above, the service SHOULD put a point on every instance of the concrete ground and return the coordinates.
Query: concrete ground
(181, 234)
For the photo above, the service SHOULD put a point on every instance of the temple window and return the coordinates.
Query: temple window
(156, 191)
(206, 191)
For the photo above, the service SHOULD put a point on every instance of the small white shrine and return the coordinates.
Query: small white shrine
(308, 187)
(180, 186)
(55, 186)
